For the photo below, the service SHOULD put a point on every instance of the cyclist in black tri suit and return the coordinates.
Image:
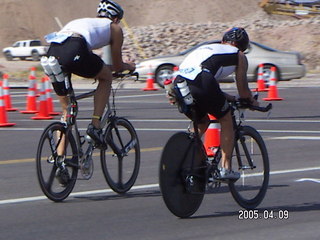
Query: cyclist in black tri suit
(73, 45)
(202, 70)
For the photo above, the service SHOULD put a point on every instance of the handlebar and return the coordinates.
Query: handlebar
(243, 103)
(115, 75)
(125, 74)
(262, 109)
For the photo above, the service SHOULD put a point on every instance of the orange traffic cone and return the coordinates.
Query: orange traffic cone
(273, 91)
(175, 73)
(31, 106)
(6, 94)
(150, 81)
(49, 98)
(32, 72)
(212, 136)
(32, 75)
(260, 81)
(3, 113)
(43, 105)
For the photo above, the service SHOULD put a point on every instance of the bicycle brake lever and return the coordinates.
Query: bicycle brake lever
(262, 109)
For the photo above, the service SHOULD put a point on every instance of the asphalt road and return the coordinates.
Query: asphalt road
(93, 211)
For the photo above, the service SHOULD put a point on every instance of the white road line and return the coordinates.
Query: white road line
(187, 120)
(315, 180)
(294, 170)
(148, 186)
(76, 194)
(288, 131)
(297, 138)
(185, 129)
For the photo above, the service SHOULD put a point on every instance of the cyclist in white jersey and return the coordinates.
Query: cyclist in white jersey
(202, 69)
(73, 46)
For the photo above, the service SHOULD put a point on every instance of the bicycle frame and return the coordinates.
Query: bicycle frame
(71, 121)
(212, 168)
(237, 129)
(185, 176)
(61, 152)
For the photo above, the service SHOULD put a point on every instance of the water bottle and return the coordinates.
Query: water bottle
(47, 69)
(56, 68)
(61, 86)
(185, 91)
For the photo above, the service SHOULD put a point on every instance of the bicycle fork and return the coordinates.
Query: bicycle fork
(86, 161)
(247, 154)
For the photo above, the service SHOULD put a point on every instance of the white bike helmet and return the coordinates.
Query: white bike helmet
(109, 9)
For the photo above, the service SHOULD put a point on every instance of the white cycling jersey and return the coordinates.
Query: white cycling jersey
(96, 31)
(220, 59)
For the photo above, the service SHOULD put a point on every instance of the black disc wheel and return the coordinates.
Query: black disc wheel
(182, 174)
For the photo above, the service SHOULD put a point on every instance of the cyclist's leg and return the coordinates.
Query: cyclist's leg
(102, 94)
(203, 123)
(216, 104)
(226, 140)
(64, 106)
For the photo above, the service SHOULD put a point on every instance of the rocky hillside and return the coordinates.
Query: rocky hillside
(164, 26)
(287, 35)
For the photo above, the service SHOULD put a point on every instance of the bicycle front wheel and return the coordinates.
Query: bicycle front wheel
(250, 157)
(121, 163)
(182, 174)
(47, 162)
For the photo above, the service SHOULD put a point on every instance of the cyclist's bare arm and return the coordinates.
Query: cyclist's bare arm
(116, 53)
(241, 78)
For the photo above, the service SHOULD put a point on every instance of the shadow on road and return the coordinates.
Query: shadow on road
(136, 194)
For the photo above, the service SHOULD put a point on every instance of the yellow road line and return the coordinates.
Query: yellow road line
(28, 160)
(133, 38)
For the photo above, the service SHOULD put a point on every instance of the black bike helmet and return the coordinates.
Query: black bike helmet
(109, 9)
(238, 36)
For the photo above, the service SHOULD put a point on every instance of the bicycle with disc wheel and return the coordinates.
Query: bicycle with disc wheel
(119, 153)
(186, 173)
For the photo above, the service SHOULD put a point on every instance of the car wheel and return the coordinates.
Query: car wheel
(35, 56)
(163, 73)
(267, 72)
(8, 56)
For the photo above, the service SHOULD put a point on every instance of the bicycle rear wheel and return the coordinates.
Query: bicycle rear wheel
(121, 163)
(48, 167)
(182, 175)
(251, 159)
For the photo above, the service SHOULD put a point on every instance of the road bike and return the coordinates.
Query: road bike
(186, 173)
(119, 154)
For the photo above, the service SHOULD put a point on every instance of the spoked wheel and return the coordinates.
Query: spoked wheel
(182, 175)
(57, 175)
(121, 162)
(250, 158)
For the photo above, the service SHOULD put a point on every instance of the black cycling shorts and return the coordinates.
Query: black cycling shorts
(75, 57)
(208, 97)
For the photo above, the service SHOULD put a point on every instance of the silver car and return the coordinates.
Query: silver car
(288, 64)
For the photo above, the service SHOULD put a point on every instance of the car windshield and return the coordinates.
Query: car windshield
(35, 43)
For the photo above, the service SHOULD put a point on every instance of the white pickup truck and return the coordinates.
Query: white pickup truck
(24, 49)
